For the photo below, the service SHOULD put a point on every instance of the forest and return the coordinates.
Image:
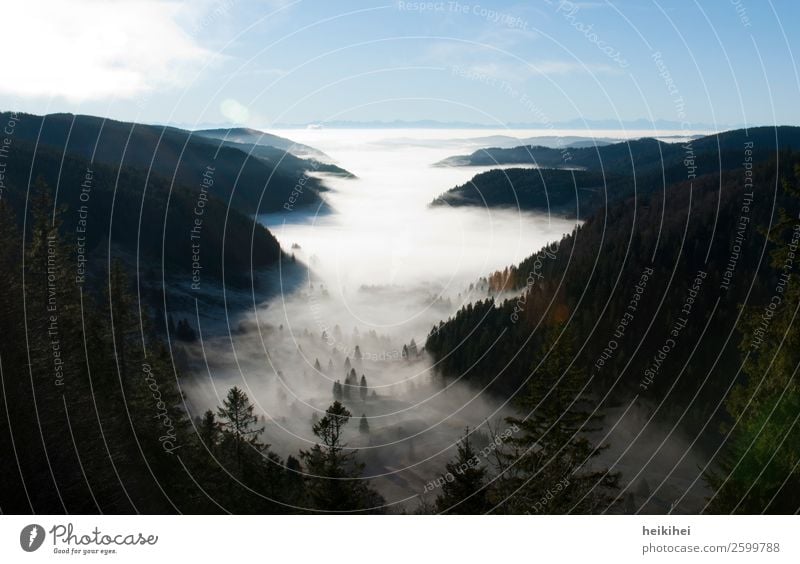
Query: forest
(695, 269)
(250, 177)
(92, 370)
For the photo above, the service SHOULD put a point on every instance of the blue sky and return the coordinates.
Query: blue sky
(265, 62)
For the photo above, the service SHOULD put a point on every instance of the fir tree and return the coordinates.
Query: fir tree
(551, 446)
(463, 489)
(335, 483)
(350, 384)
(239, 422)
(209, 430)
(759, 470)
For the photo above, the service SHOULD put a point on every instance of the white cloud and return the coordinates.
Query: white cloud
(234, 110)
(95, 49)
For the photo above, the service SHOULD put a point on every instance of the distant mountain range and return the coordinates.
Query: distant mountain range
(578, 123)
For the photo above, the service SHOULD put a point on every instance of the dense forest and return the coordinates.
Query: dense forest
(682, 293)
(688, 295)
(93, 419)
(561, 192)
(140, 214)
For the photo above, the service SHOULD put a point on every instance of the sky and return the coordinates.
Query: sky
(269, 63)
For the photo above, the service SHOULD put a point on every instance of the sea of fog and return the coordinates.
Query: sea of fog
(376, 268)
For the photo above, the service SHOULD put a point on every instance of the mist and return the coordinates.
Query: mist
(375, 268)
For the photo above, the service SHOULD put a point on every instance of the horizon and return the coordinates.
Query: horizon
(601, 127)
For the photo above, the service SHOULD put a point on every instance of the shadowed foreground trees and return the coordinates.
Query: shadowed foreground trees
(541, 462)
(591, 279)
(464, 489)
(334, 482)
(91, 415)
(759, 470)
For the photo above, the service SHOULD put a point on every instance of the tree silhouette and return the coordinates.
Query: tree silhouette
(463, 489)
(334, 483)
(552, 446)
(239, 422)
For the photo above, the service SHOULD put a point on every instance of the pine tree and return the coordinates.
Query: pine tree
(363, 388)
(463, 488)
(551, 449)
(363, 425)
(350, 384)
(335, 483)
(209, 430)
(239, 422)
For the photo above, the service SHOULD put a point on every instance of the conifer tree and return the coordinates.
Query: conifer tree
(209, 430)
(335, 482)
(759, 470)
(239, 422)
(463, 489)
(552, 446)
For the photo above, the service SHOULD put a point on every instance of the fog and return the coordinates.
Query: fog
(378, 268)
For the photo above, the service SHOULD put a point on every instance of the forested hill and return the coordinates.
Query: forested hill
(642, 155)
(549, 190)
(248, 136)
(608, 174)
(142, 216)
(652, 248)
(286, 158)
(249, 183)
(93, 417)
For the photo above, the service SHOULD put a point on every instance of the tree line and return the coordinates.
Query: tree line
(730, 371)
